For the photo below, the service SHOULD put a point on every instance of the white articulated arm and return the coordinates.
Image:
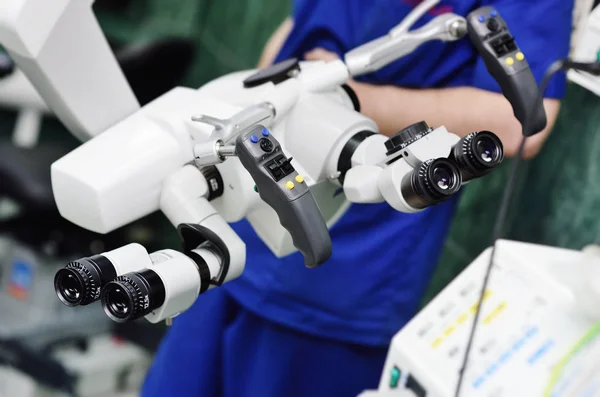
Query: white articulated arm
(399, 42)
(213, 255)
(60, 47)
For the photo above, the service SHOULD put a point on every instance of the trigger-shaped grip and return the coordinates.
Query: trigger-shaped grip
(504, 60)
(304, 221)
(280, 186)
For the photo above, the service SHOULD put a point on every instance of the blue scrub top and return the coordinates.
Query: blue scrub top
(382, 259)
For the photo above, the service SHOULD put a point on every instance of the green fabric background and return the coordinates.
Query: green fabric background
(558, 197)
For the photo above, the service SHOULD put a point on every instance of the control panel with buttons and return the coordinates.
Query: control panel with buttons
(284, 190)
(504, 60)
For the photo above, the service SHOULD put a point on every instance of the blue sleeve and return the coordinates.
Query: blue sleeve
(542, 29)
(317, 23)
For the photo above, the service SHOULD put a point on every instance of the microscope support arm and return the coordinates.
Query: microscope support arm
(60, 47)
(184, 202)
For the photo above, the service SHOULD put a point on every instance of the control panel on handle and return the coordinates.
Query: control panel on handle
(280, 186)
(506, 62)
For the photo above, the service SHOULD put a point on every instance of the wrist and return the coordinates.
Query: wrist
(363, 92)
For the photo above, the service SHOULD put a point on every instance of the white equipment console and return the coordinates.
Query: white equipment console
(538, 333)
(587, 49)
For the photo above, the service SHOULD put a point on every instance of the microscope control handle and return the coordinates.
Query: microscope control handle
(504, 60)
(281, 187)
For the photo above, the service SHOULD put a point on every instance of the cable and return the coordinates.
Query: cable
(502, 215)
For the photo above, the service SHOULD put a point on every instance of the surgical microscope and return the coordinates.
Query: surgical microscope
(285, 148)
(539, 329)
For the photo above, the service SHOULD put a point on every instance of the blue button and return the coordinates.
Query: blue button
(478, 382)
(265, 132)
(504, 357)
(531, 332)
(481, 18)
(254, 138)
(493, 13)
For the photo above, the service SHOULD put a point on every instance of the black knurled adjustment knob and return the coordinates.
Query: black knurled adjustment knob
(213, 177)
(406, 136)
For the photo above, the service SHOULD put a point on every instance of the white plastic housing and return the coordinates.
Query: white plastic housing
(239, 197)
(390, 183)
(60, 47)
(17, 92)
(183, 197)
(437, 144)
(532, 337)
(361, 184)
(587, 50)
(130, 258)
(317, 129)
(117, 177)
(327, 77)
(235, 246)
(181, 280)
(183, 201)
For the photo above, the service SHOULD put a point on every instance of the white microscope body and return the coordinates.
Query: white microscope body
(162, 155)
(16, 92)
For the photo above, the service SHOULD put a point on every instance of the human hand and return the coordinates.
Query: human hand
(321, 54)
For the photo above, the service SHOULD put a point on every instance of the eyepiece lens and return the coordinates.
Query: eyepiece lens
(119, 302)
(442, 177)
(70, 287)
(487, 149)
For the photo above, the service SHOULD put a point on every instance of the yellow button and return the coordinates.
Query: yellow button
(290, 185)
(299, 179)
(463, 317)
(510, 61)
(520, 56)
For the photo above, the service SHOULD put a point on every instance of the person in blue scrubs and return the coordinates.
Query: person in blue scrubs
(282, 330)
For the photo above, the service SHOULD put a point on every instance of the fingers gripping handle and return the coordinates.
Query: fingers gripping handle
(504, 60)
(280, 186)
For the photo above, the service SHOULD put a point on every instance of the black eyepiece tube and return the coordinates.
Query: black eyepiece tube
(477, 154)
(433, 182)
(133, 296)
(80, 282)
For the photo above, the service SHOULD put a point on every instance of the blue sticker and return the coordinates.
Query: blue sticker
(21, 279)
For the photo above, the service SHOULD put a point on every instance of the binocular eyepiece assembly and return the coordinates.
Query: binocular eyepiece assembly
(433, 181)
(132, 284)
(80, 283)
